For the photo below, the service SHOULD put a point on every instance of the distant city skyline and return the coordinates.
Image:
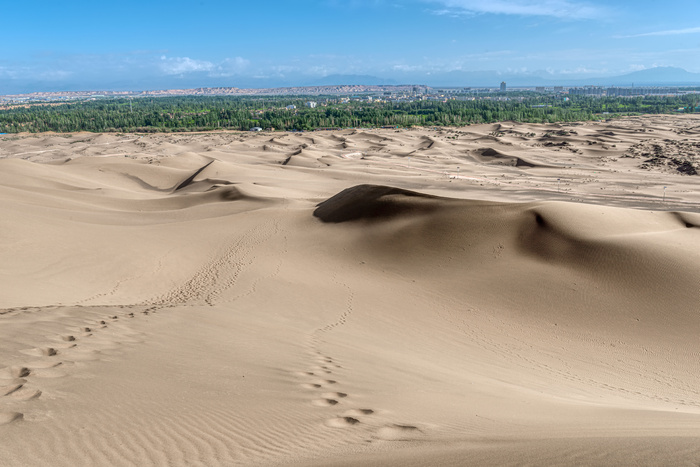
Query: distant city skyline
(176, 44)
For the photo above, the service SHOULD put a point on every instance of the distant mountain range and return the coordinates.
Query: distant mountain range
(366, 80)
(658, 76)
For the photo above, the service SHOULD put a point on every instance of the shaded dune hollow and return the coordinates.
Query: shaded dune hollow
(493, 156)
(639, 258)
(373, 202)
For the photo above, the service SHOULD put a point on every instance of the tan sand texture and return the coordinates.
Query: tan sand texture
(506, 294)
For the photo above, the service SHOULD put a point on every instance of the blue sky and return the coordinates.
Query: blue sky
(157, 44)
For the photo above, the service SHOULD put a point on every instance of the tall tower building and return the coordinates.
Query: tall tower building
(503, 86)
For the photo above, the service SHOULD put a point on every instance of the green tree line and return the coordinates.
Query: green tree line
(168, 114)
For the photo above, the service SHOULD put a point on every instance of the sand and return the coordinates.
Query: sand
(504, 294)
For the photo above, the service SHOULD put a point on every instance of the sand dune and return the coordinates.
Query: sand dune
(494, 156)
(462, 296)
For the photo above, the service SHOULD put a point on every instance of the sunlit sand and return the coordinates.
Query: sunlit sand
(507, 294)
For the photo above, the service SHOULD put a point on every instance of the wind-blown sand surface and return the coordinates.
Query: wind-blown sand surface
(503, 294)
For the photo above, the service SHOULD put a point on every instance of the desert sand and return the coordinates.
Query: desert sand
(506, 294)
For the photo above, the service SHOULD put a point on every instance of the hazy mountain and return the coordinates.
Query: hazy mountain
(658, 76)
(367, 80)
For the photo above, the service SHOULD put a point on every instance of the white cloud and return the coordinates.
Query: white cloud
(282, 70)
(407, 67)
(24, 73)
(669, 32)
(231, 67)
(319, 70)
(236, 63)
(582, 70)
(55, 75)
(6, 72)
(181, 65)
(564, 9)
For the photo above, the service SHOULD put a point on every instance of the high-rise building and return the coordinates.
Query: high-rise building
(503, 86)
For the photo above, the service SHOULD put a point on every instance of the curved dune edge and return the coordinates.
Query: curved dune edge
(493, 156)
(371, 202)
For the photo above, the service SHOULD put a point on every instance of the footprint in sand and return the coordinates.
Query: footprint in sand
(25, 394)
(12, 386)
(67, 345)
(398, 432)
(324, 402)
(325, 382)
(311, 386)
(68, 338)
(14, 372)
(323, 368)
(342, 422)
(40, 352)
(39, 368)
(42, 364)
(358, 412)
(9, 417)
(325, 361)
(334, 395)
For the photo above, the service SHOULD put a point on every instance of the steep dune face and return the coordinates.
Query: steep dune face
(371, 202)
(493, 156)
(643, 265)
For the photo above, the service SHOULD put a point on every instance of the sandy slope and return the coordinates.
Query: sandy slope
(491, 295)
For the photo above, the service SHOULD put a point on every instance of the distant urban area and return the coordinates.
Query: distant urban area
(330, 107)
(378, 92)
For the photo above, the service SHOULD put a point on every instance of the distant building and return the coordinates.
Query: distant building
(641, 91)
(256, 128)
(311, 104)
(503, 86)
(587, 91)
(291, 107)
(539, 89)
(558, 88)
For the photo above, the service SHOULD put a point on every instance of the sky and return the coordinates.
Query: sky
(78, 45)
